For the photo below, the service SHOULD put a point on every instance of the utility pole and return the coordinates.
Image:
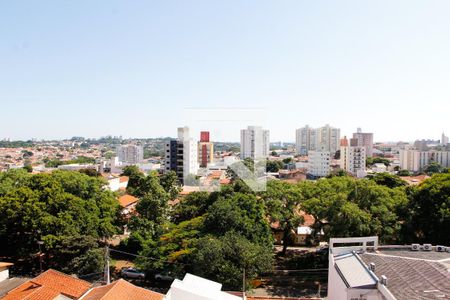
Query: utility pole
(40, 256)
(107, 277)
(243, 286)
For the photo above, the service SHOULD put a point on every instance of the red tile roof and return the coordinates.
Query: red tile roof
(308, 219)
(225, 181)
(415, 180)
(127, 200)
(121, 290)
(123, 179)
(48, 286)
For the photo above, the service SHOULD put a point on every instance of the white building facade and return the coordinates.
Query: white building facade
(444, 139)
(353, 157)
(312, 139)
(181, 155)
(254, 142)
(197, 288)
(415, 160)
(319, 163)
(130, 154)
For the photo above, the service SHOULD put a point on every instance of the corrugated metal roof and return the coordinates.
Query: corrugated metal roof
(353, 272)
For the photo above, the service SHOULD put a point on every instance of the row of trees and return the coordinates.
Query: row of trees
(217, 235)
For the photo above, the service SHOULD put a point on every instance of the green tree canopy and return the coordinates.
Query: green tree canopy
(389, 180)
(242, 213)
(344, 206)
(53, 208)
(274, 165)
(283, 205)
(429, 211)
(224, 259)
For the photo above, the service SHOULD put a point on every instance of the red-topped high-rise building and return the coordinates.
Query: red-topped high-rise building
(204, 136)
(205, 150)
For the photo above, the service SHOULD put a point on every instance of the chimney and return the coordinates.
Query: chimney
(372, 267)
(384, 280)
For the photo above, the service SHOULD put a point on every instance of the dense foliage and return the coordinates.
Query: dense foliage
(230, 226)
(58, 209)
(217, 235)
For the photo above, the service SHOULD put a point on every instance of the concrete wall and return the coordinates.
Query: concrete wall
(4, 274)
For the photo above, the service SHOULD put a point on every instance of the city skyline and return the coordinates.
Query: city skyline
(197, 132)
(135, 70)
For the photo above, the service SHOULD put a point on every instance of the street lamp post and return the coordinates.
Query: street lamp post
(40, 255)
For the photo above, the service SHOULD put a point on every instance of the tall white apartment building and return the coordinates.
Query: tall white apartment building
(181, 155)
(319, 163)
(365, 139)
(130, 154)
(303, 140)
(444, 139)
(353, 157)
(416, 160)
(312, 139)
(254, 142)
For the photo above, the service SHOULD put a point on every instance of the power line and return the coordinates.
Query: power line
(146, 257)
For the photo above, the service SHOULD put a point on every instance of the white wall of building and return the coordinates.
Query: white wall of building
(415, 160)
(4, 274)
(196, 288)
(130, 154)
(190, 158)
(319, 163)
(255, 142)
(353, 159)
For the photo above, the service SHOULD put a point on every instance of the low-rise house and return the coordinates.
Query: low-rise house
(415, 180)
(53, 285)
(116, 183)
(121, 290)
(292, 176)
(50, 285)
(301, 236)
(379, 168)
(128, 204)
(7, 284)
(359, 268)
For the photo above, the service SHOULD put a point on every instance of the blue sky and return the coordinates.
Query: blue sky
(139, 68)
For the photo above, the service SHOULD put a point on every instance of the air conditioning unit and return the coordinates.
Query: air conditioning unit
(427, 247)
(415, 247)
(440, 248)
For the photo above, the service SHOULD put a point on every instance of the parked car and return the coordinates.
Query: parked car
(132, 273)
(164, 277)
